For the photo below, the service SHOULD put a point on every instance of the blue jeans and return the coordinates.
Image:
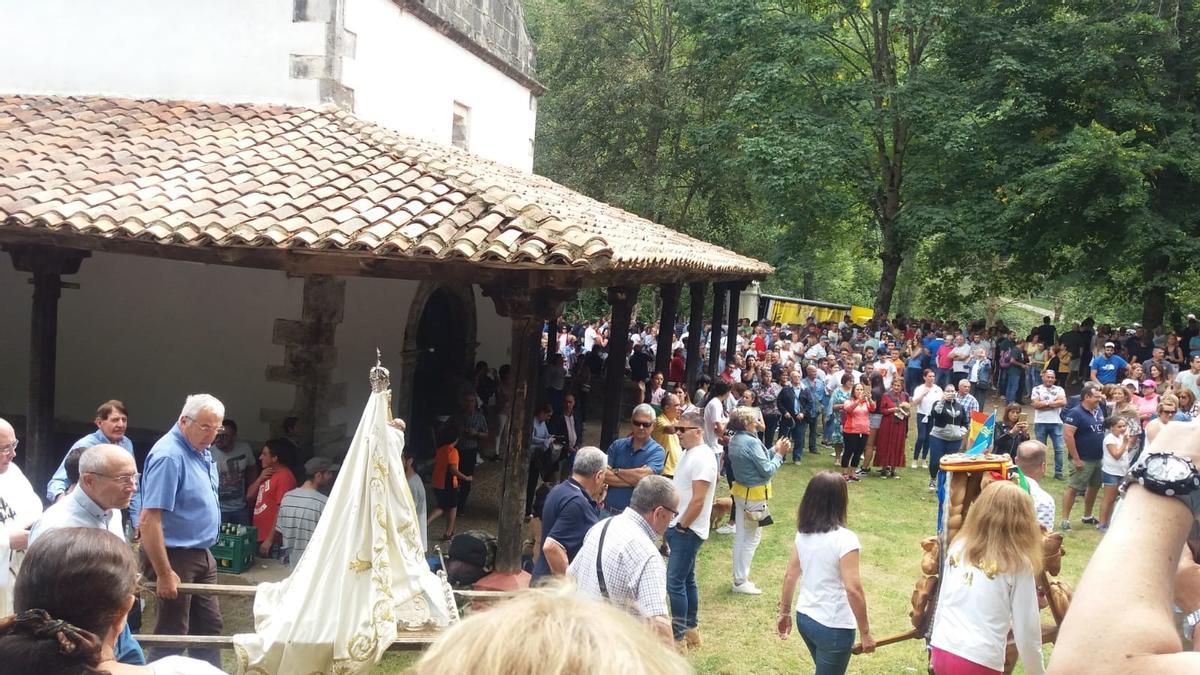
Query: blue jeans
(809, 425)
(937, 448)
(943, 377)
(1045, 430)
(1012, 388)
(681, 580)
(921, 449)
(830, 647)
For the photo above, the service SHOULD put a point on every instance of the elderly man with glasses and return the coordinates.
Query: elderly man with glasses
(631, 459)
(180, 520)
(108, 481)
(19, 508)
(619, 561)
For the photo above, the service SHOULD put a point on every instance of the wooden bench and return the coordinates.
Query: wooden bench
(405, 641)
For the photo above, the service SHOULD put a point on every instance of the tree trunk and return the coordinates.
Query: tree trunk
(1154, 297)
(809, 284)
(891, 256)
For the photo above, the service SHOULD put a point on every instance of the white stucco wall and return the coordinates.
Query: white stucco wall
(407, 76)
(231, 51)
(151, 331)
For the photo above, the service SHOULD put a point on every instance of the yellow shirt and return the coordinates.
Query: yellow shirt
(669, 441)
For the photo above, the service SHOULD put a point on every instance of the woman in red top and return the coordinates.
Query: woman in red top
(893, 430)
(855, 427)
(275, 480)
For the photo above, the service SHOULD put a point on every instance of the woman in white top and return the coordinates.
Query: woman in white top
(924, 396)
(75, 589)
(988, 587)
(1114, 463)
(831, 603)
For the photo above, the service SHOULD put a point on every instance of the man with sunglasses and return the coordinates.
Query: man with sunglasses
(180, 519)
(631, 459)
(695, 480)
(19, 508)
(108, 481)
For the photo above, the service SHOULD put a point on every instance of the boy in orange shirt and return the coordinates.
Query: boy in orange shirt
(445, 478)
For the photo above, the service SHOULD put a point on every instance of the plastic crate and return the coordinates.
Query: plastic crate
(234, 553)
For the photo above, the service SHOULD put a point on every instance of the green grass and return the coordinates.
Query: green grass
(890, 518)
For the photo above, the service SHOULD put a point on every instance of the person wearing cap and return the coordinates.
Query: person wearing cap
(301, 508)
(1106, 367)
(1147, 403)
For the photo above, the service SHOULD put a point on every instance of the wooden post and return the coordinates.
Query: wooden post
(551, 336)
(47, 265)
(666, 327)
(621, 298)
(528, 310)
(735, 295)
(718, 318)
(695, 323)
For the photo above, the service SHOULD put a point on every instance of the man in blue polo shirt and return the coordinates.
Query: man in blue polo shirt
(180, 520)
(631, 459)
(1083, 430)
(1107, 367)
(111, 422)
(569, 513)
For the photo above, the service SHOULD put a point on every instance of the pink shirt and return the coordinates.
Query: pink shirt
(1147, 407)
(855, 416)
(943, 355)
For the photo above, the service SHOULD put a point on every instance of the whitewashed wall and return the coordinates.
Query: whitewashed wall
(407, 76)
(233, 51)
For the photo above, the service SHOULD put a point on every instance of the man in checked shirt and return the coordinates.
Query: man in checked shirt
(630, 573)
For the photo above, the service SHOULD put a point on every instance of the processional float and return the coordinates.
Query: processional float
(363, 580)
(962, 477)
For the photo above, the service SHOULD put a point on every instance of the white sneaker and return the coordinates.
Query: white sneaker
(747, 588)
(727, 528)
(914, 464)
(925, 464)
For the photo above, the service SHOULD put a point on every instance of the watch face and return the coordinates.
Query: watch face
(1167, 468)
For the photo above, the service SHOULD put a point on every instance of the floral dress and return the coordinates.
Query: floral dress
(840, 396)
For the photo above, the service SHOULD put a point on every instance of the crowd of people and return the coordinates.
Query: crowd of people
(626, 523)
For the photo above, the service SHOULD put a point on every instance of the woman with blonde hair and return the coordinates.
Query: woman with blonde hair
(988, 586)
(560, 633)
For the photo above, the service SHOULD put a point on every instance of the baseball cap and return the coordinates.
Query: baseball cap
(1109, 344)
(1129, 381)
(316, 464)
(1191, 317)
(1149, 383)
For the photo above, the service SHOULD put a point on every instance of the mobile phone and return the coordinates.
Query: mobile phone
(1024, 418)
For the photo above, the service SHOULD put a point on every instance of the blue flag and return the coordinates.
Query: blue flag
(983, 440)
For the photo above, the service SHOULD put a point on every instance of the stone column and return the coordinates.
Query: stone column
(666, 327)
(718, 319)
(47, 265)
(695, 325)
(621, 298)
(527, 309)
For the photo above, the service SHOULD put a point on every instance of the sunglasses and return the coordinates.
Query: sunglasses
(680, 430)
(643, 425)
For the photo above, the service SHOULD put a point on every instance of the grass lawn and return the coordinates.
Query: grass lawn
(890, 517)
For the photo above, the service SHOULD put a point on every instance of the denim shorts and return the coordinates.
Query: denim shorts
(1107, 478)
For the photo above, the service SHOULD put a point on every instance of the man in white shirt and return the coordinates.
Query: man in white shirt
(1048, 400)
(1031, 459)
(695, 480)
(959, 357)
(19, 508)
(1191, 378)
(589, 336)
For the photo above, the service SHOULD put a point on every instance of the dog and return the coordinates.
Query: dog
(721, 508)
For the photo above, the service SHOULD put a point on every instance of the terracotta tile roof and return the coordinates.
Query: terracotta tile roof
(204, 174)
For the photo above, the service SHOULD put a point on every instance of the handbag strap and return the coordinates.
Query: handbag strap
(600, 561)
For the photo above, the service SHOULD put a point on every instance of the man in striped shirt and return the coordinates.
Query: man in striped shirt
(300, 510)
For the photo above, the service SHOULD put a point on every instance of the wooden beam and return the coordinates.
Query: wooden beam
(527, 309)
(47, 265)
(695, 326)
(621, 298)
(718, 319)
(666, 327)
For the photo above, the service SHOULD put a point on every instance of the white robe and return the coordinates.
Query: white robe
(19, 509)
(363, 577)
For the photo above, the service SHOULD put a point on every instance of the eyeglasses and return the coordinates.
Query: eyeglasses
(643, 425)
(680, 430)
(10, 449)
(207, 428)
(1166, 412)
(673, 511)
(123, 479)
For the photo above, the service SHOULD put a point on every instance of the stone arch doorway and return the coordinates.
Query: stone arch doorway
(439, 349)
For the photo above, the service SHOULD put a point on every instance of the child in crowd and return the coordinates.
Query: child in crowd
(1114, 464)
(446, 477)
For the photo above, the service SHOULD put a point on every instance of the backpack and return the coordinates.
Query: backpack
(474, 547)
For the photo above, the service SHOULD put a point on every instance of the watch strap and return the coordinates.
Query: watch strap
(1189, 624)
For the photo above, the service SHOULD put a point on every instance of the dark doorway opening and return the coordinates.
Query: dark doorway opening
(440, 371)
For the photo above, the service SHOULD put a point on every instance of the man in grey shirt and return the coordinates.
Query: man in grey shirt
(301, 509)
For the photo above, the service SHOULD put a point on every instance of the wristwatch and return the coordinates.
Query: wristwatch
(1169, 475)
(1189, 624)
